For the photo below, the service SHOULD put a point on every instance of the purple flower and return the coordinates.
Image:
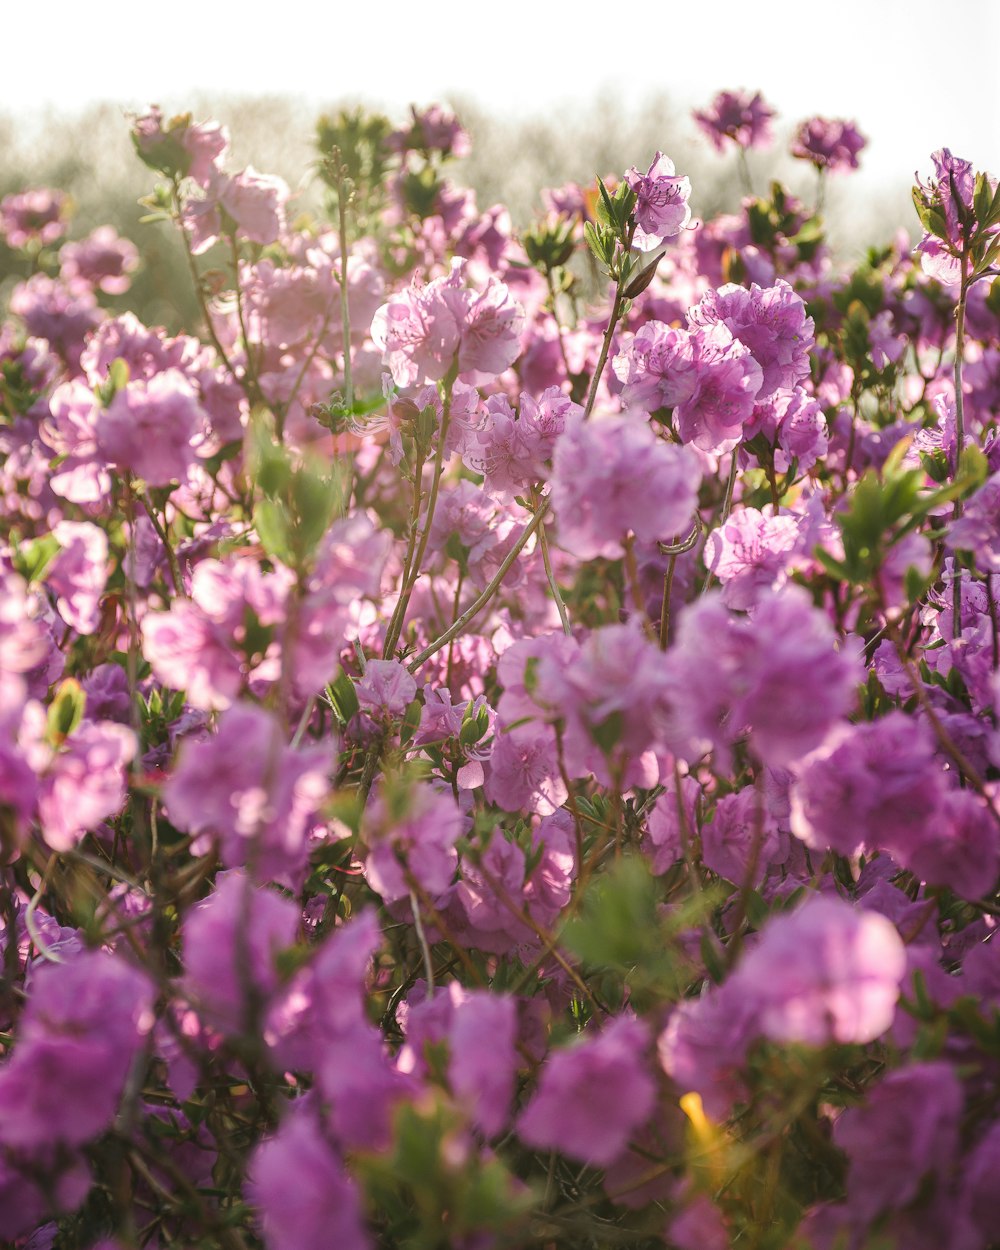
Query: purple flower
(301, 1190)
(704, 1046)
(417, 838)
(85, 782)
(149, 428)
(423, 332)
(661, 202)
(978, 528)
(778, 676)
(231, 940)
(593, 1095)
(256, 202)
(614, 476)
(247, 788)
(824, 973)
(829, 144)
(33, 217)
(868, 786)
(103, 259)
(386, 689)
(751, 553)
(771, 322)
(79, 573)
(906, 1130)
(84, 1025)
(657, 367)
(727, 380)
(738, 116)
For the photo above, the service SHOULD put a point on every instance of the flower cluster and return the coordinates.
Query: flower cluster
(479, 767)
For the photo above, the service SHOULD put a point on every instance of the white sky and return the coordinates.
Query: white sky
(915, 74)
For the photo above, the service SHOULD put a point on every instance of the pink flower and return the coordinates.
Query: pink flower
(661, 206)
(824, 973)
(593, 1095)
(230, 943)
(829, 144)
(613, 477)
(771, 322)
(256, 202)
(738, 116)
(423, 332)
(149, 428)
(302, 1191)
(79, 573)
(37, 216)
(245, 787)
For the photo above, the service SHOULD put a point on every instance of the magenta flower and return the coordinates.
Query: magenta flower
(661, 204)
(103, 259)
(829, 144)
(824, 973)
(867, 786)
(79, 574)
(423, 332)
(613, 477)
(777, 676)
(33, 217)
(906, 1130)
(750, 554)
(739, 117)
(419, 841)
(301, 1190)
(150, 428)
(771, 322)
(247, 789)
(84, 1024)
(727, 380)
(593, 1095)
(230, 945)
(386, 689)
(84, 783)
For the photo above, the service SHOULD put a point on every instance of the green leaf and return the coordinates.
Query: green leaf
(271, 521)
(65, 711)
(343, 697)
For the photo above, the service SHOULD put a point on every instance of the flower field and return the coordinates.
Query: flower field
(499, 729)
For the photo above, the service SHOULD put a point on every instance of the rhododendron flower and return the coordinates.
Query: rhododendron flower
(424, 331)
(246, 788)
(419, 841)
(301, 1190)
(230, 943)
(868, 786)
(778, 676)
(256, 202)
(907, 1129)
(978, 528)
(727, 380)
(35, 216)
(829, 144)
(824, 973)
(149, 428)
(85, 1022)
(103, 259)
(593, 1095)
(661, 202)
(386, 689)
(85, 782)
(771, 322)
(613, 477)
(738, 116)
(79, 573)
(750, 554)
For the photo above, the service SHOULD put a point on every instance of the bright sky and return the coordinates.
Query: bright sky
(915, 74)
